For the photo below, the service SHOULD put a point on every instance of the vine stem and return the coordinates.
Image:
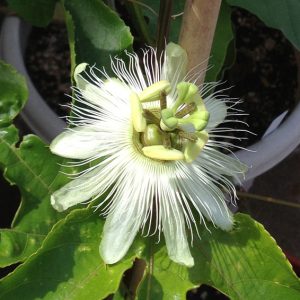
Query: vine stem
(138, 271)
(163, 25)
(197, 32)
(267, 199)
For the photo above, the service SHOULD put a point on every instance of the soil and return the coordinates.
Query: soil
(264, 74)
(48, 61)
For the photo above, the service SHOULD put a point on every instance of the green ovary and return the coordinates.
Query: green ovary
(170, 133)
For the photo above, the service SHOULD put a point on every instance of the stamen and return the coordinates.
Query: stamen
(192, 149)
(187, 109)
(167, 140)
(151, 117)
(163, 100)
(152, 92)
(138, 120)
(188, 136)
(161, 153)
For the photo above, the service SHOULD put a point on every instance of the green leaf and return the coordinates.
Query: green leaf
(37, 12)
(223, 37)
(96, 32)
(244, 264)
(37, 173)
(13, 93)
(68, 265)
(279, 14)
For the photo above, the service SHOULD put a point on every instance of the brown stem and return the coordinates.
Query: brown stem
(197, 33)
(138, 270)
(267, 199)
(163, 25)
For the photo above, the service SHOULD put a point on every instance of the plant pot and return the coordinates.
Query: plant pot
(263, 155)
(39, 117)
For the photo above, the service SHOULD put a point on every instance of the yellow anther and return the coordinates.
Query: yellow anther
(153, 92)
(161, 153)
(193, 149)
(138, 120)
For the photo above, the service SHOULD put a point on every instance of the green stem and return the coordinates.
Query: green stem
(163, 25)
(140, 24)
(267, 199)
(150, 270)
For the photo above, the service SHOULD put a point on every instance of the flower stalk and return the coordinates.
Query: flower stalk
(197, 33)
(163, 25)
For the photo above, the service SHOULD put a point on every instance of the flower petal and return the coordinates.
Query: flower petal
(175, 65)
(120, 229)
(208, 199)
(222, 164)
(98, 94)
(175, 235)
(77, 191)
(217, 110)
(78, 143)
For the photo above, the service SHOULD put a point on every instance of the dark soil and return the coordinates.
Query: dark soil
(48, 61)
(264, 74)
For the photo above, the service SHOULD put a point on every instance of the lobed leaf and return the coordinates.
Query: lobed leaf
(68, 265)
(37, 12)
(13, 93)
(279, 14)
(244, 264)
(37, 174)
(95, 32)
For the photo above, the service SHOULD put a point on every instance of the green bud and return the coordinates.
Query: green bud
(153, 92)
(152, 136)
(138, 120)
(161, 153)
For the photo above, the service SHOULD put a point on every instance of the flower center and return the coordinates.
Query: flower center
(174, 132)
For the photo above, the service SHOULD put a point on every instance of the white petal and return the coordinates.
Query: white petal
(80, 82)
(108, 90)
(79, 143)
(217, 212)
(209, 199)
(76, 191)
(175, 236)
(217, 110)
(175, 66)
(221, 163)
(119, 231)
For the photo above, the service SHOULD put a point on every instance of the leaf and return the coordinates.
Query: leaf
(37, 12)
(244, 264)
(13, 93)
(37, 173)
(96, 32)
(279, 14)
(223, 37)
(68, 265)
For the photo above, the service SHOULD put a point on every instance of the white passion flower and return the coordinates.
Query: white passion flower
(150, 138)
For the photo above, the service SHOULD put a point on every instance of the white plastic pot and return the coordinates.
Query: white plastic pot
(40, 118)
(262, 156)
